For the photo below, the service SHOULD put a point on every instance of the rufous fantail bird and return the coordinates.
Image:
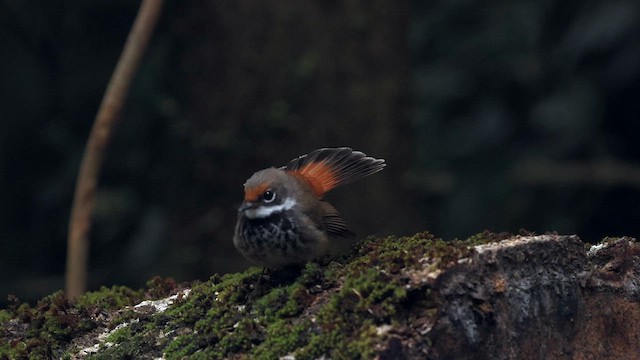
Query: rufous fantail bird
(284, 220)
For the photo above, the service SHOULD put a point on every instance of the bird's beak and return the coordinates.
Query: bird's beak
(246, 206)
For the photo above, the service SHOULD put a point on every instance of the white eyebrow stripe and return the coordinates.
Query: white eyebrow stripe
(262, 211)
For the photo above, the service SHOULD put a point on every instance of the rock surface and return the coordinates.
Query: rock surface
(541, 297)
(493, 296)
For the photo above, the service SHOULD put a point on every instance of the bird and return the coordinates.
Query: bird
(284, 220)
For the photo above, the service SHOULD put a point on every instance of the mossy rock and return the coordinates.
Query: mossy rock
(380, 301)
(336, 308)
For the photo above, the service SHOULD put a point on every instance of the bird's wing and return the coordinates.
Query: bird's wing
(333, 222)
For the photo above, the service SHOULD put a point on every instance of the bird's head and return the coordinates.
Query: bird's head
(266, 193)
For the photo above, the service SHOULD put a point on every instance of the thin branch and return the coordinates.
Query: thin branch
(106, 119)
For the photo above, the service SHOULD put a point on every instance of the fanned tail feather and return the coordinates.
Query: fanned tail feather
(328, 168)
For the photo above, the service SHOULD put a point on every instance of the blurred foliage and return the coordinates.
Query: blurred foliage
(504, 87)
(487, 113)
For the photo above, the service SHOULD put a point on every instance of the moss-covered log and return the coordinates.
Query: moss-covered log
(490, 296)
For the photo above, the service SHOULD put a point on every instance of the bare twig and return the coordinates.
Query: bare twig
(107, 117)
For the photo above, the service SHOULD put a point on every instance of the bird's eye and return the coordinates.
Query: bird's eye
(268, 196)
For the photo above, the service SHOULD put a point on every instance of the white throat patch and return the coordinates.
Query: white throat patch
(262, 211)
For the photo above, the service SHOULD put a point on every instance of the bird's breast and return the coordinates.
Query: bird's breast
(276, 232)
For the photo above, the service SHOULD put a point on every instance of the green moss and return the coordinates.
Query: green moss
(282, 302)
(245, 334)
(7, 351)
(5, 316)
(333, 310)
(363, 346)
(269, 325)
(180, 347)
(160, 287)
(216, 311)
(373, 293)
(119, 335)
(311, 274)
(115, 297)
(38, 332)
(392, 253)
(488, 236)
(133, 348)
(282, 338)
(45, 330)
(368, 297)
(231, 315)
(319, 345)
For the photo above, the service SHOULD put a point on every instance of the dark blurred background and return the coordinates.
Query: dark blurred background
(495, 115)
